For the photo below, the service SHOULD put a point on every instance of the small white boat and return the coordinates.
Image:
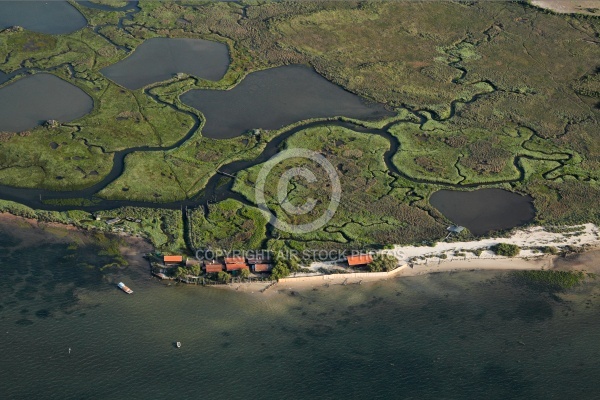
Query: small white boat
(124, 288)
(178, 344)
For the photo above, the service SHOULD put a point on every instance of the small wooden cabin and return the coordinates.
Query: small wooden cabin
(172, 260)
(263, 267)
(361, 259)
(236, 267)
(213, 268)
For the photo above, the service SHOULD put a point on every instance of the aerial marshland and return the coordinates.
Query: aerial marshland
(464, 110)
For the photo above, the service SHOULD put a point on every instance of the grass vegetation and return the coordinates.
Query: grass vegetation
(163, 228)
(373, 207)
(383, 263)
(228, 225)
(506, 249)
(492, 93)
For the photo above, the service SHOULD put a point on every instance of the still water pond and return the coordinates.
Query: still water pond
(484, 210)
(159, 59)
(30, 101)
(53, 17)
(274, 98)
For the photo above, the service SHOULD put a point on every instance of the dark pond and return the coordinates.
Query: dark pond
(30, 101)
(53, 17)
(484, 210)
(274, 98)
(159, 59)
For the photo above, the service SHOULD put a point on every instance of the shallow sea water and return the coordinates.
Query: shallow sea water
(461, 335)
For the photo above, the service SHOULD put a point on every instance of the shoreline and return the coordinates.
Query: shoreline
(590, 264)
(413, 260)
(585, 7)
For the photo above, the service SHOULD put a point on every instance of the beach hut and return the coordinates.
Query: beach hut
(263, 267)
(213, 268)
(235, 260)
(236, 267)
(172, 260)
(259, 259)
(455, 229)
(361, 259)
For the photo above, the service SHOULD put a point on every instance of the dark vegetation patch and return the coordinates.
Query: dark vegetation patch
(550, 281)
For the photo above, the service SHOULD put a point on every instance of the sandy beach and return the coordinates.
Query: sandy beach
(468, 256)
(589, 7)
(412, 260)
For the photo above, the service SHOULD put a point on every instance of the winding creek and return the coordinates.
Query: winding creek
(219, 186)
(292, 93)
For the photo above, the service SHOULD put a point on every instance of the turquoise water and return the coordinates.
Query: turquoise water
(463, 335)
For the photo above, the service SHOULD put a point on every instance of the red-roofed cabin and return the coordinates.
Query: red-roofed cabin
(212, 268)
(263, 267)
(235, 260)
(236, 267)
(362, 259)
(259, 259)
(172, 259)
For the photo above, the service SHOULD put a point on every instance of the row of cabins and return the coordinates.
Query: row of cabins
(256, 265)
(230, 264)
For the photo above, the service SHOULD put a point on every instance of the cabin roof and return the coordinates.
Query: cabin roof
(263, 267)
(236, 266)
(360, 259)
(173, 258)
(213, 267)
(235, 260)
(259, 259)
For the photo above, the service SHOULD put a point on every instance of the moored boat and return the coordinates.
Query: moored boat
(124, 288)
(178, 344)
(161, 276)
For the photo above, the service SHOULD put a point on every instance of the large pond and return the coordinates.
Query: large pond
(159, 59)
(30, 101)
(53, 17)
(484, 210)
(275, 98)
